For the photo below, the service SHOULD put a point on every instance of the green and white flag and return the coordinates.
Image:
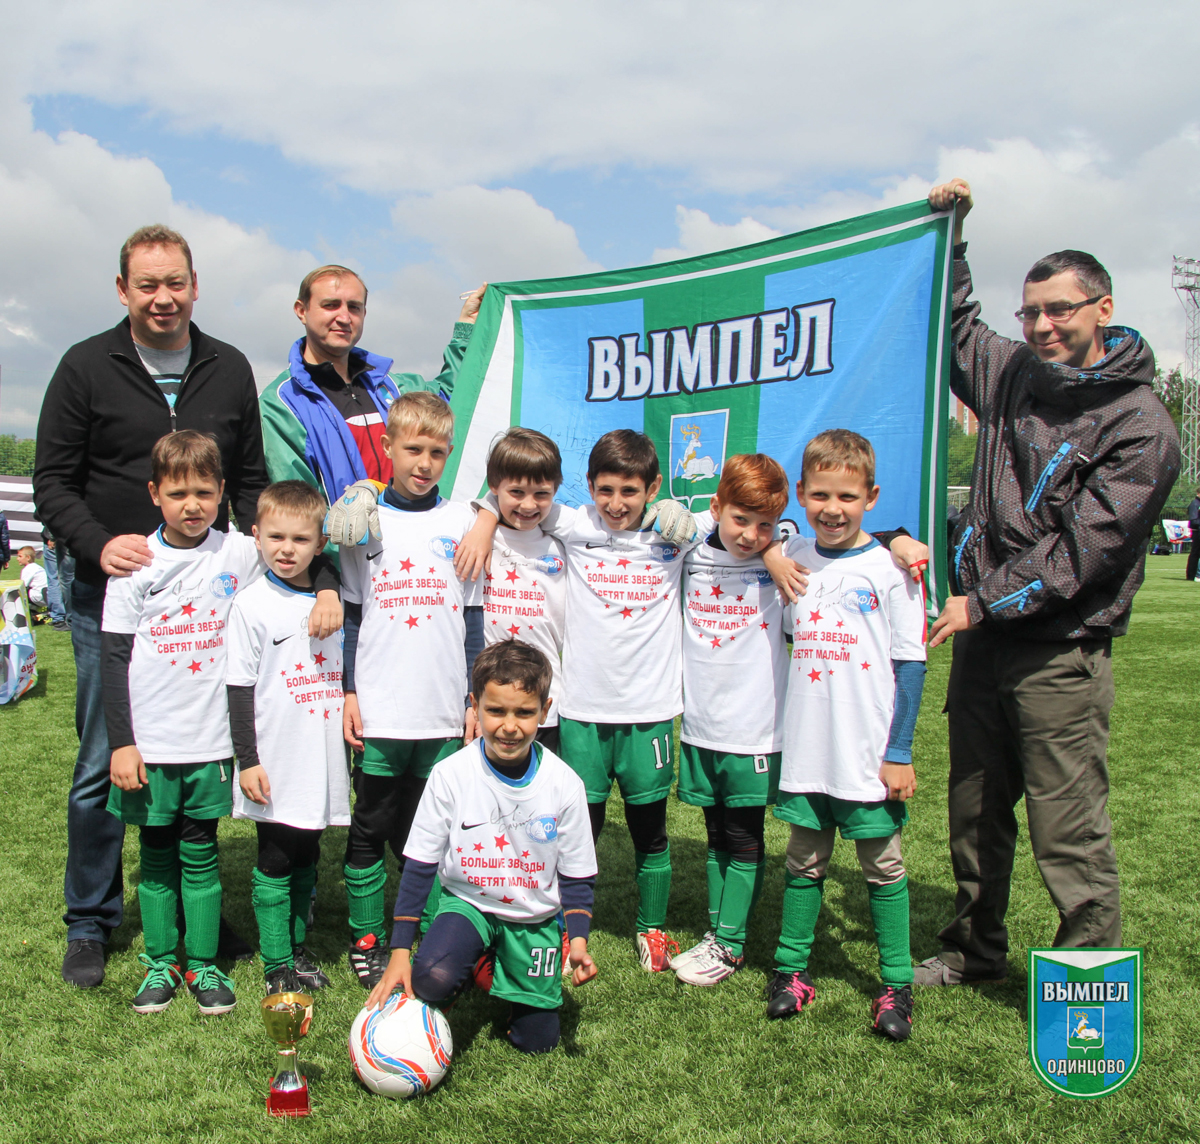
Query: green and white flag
(748, 350)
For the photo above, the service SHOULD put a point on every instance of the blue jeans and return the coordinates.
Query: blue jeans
(54, 598)
(93, 883)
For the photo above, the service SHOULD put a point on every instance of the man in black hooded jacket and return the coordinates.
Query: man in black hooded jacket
(1075, 459)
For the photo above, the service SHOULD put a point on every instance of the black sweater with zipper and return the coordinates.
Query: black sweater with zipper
(100, 418)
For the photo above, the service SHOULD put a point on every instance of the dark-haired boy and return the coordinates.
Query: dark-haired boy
(503, 825)
(525, 593)
(163, 648)
(285, 718)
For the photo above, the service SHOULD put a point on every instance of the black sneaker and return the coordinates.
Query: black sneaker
(788, 993)
(891, 1012)
(307, 970)
(368, 959)
(284, 980)
(84, 963)
(61, 625)
(212, 989)
(231, 946)
(162, 979)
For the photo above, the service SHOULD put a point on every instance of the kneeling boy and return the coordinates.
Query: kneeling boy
(853, 694)
(285, 718)
(503, 825)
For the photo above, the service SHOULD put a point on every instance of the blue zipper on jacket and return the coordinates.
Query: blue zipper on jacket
(958, 551)
(1047, 473)
(1020, 598)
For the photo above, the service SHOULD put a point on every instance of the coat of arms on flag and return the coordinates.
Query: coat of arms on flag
(1085, 1018)
(697, 455)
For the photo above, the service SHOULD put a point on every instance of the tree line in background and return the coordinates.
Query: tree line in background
(16, 456)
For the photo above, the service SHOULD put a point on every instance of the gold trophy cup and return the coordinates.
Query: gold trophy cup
(287, 1017)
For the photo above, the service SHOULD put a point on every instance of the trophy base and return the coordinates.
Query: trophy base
(293, 1103)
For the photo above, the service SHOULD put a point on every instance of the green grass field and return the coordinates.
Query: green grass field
(642, 1056)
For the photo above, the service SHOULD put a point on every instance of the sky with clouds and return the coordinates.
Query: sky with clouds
(431, 147)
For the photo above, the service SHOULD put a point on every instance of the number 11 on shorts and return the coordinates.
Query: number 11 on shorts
(662, 755)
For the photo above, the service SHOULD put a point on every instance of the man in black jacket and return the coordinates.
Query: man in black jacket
(110, 399)
(1076, 457)
(1193, 516)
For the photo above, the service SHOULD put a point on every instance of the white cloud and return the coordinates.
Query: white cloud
(698, 234)
(502, 234)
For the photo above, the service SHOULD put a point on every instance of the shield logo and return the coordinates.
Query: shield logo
(1085, 1018)
(697, 455)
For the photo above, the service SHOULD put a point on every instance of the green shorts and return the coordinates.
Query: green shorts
(637, 755)
(527, 954)
(712, 778)
(391, 758)
(853, 819)
(199, 790)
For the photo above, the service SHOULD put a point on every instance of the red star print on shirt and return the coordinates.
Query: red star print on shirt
(187, 610)
(319, 658)
(194, 667)
(165, 617)
(299, 667)
(524, 853)
(412, 622)
(406, 565)
(626, 612)
(716, 642)
(514, 630)
(478, 847)
(501, 842)
(511, 575)
(814, 676)
(764, 625)
(507, 901)
(716, 591)
(622, 563)
(865, 666)
(814, 617)
(213, 612)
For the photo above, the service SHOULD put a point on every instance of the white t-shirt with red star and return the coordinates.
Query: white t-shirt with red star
(502, 846)
(410, 669)
(297, 683)
(525, 597)
(176, 609)
(860, 612)
(735, 659)
(622, 660)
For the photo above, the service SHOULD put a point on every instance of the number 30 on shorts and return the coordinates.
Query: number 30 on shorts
(545, 961)
(662, 754)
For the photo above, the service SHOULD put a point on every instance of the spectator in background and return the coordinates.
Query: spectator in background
(33, 576)
(109, 400)
(57, 581)
(1193, 517)
(5, 546)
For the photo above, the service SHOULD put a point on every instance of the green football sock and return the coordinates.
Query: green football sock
(717, 864)
(736, 904)
(303, 880)
(889, 912)
(801, 905)
(158, 897)
(272, 910)
(200, 888)
(364, 895)
(654, 888)
(759, 874)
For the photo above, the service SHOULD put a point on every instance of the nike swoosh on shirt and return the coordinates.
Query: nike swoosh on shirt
(603, 544)
(464, 826)
(155, 591)
(278, 642)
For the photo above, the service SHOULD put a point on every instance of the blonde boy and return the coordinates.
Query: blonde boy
(412, 630)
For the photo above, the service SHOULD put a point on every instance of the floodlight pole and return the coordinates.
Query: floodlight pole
(1185, 278)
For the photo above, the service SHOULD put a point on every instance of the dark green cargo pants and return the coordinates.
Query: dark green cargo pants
(1029, 719)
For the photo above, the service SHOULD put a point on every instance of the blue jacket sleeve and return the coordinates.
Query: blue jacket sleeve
(577, 897)
(415, 884)
(351, 622)
(910, 683)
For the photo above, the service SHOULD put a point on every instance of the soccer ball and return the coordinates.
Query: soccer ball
(401, 1049)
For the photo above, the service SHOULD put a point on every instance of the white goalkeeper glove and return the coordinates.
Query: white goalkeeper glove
(671, 521)
(354, 516)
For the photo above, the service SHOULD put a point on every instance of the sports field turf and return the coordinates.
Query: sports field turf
(643, 1058)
